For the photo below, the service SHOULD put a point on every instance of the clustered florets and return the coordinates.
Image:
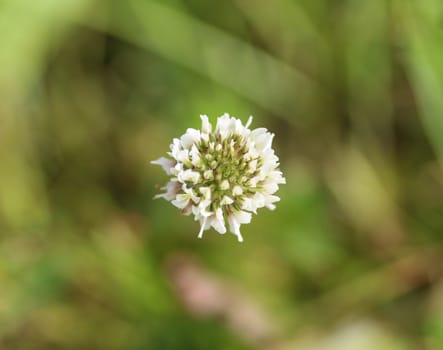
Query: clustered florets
(227, 173)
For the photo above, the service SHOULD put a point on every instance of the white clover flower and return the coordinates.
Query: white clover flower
(222, 174)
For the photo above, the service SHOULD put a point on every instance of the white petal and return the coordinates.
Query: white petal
(234, 227)
(259, 200)
(248, 123)
(276, 176)
(191, 193)
(225, 126)
(165, 163)
(218, 221)
(206, 202)
(237, 191)
(189, 138)
(203, 208)
(206, 192)
(208, 174)
(189, 176)
(172, 187)
(252, 153)
(202, 227)
(205, 137)
(269, 200)
(196, 212)
(177, 169)
(226, 200)
(253, 181)
(262, 139)
(242, 217)
(183, 156)
(270, 162)
(238, 127)
(181, 200)
(252, 166)
(237, 218)
(175, 148)
(249, 205)
(206, 126)
(224, 185)
(195, 155)
(270, 187)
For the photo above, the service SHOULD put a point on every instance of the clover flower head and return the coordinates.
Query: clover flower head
(222, 174)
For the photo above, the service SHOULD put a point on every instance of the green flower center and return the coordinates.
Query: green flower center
(226, 168)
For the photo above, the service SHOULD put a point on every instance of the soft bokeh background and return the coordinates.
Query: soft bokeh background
(91, 90)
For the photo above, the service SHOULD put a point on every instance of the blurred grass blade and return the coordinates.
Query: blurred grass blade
(287, 28)
(368, 72)
(204, 49)
(30, 29)
(425, 70)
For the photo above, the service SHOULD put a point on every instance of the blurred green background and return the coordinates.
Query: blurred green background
(91, 91)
